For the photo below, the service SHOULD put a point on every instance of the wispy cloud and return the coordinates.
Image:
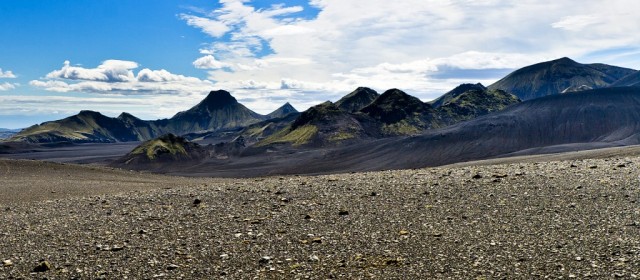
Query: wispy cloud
(577, 22)
(7, 86)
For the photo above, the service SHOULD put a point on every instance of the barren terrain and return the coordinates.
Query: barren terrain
(530, 218)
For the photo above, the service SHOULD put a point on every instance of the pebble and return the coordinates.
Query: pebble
(42, 267)
(7, 263)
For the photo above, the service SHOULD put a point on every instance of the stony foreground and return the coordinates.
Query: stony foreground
(565, 219)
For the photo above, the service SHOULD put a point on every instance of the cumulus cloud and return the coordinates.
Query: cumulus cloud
(209, 62)
(118, 77)
(6, 74)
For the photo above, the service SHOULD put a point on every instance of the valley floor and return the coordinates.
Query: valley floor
(572, 218)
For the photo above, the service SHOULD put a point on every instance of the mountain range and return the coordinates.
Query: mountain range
(566, 103)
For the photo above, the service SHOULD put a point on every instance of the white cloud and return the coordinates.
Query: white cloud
(577, 22)
(209, 62)
(7, 86)
(211, 27)
(6, 74)
(118, 77)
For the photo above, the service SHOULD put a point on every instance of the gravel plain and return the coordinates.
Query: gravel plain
(576, 218)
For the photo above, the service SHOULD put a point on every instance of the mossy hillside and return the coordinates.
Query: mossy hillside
(155, 147)
(475, 103)
(299, 136)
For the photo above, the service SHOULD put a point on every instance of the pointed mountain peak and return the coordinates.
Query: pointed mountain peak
(127, 116)
(282, 111)
(218, 99)
(357, 99)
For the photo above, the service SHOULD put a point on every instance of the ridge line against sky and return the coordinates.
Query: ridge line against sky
(155, 58)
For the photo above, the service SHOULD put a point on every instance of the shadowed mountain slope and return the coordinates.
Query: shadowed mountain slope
(631, 80)
(596, 118)
(556, 76)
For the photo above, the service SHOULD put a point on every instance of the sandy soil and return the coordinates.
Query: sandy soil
(577, 218)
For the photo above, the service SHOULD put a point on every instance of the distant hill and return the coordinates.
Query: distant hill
(219, 110)
(557, 76)
(281, 112)
(87, 126)
(356, 100)
(6, 133)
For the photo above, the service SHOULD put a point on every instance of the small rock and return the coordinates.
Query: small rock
(593, 167)
(42, 267)
(374, 194)
(578, 259)
(621, 165)
(142, 231)
(172, 267)
(316, 240)
(477, 176)
(264, 260)
(224, 256)
(307, 217)
(197, 202)
(314, 258)
(343, 213)
(403, 232)
(7, 263)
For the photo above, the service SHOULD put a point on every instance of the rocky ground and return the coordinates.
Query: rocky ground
(562, 219)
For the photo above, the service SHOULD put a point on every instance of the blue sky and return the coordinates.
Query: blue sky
(154, 58)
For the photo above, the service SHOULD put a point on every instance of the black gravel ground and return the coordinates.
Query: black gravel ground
(563, 219)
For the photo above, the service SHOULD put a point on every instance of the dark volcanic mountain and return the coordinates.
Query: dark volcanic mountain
(474, 102)
(321, 125)
(592, 119)
(447, 97)
(631, 80)
(87, 126)
(283, 111)
(356, 100)
(556, 76)
(218, 110)
(401, 114)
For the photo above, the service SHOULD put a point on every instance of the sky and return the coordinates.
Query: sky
(155, 58)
